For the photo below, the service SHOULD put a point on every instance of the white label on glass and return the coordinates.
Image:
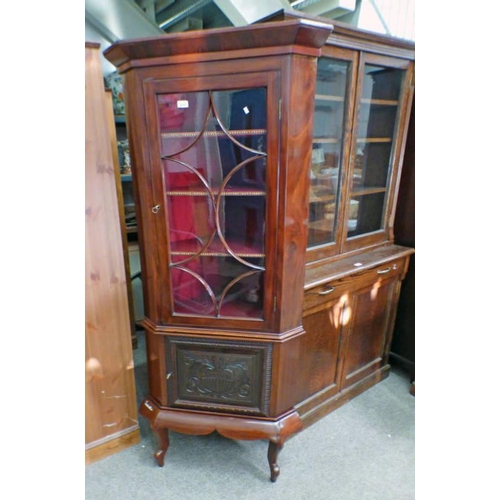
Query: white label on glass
(246, 110)
(183, 104)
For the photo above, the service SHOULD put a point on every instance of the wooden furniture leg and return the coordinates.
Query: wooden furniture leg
(201, 424)
(163, 443)
(272, 456)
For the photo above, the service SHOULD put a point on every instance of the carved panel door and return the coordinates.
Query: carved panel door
(226, 376)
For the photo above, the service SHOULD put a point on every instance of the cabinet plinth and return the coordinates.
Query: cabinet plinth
(266, 171)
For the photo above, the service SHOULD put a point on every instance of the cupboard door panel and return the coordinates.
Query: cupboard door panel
(219, 375)
(319, 349)
(369, 325)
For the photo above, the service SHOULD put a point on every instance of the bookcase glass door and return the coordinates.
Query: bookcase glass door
(326, 164)
(213, 154)
(378, 113)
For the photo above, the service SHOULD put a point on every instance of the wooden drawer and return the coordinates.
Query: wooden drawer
(360, 276)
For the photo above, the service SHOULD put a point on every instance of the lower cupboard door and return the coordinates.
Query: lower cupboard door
(219, 375)
(319, 350)
(369, 330)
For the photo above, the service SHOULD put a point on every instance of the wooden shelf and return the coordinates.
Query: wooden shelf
(321, 199)
(325, 225)
(325, 140)
(365, 191)
(324, 97)
(226, 192)
(216, 249)
(213, 133)
(373, 140)
(220, 254)
(381, 102)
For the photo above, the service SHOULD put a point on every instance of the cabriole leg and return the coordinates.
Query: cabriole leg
(163, 443)
(272, 456)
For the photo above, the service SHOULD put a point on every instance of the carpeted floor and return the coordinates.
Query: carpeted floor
(365, 450)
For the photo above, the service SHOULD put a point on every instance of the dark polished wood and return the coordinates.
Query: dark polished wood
(348, 318)
(299, 36)
(237, 427)
(272, 456)
(403, 343)
(324, 402)
(276, 431)
(324, 317)
(221, 375)
(235, 376)
(163, 444)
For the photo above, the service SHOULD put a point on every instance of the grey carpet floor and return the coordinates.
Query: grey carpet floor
(365, 450)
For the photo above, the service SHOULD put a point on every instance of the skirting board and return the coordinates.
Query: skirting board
(112, 444)
(404, 363)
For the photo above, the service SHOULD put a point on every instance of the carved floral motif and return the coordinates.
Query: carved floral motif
(218, 376)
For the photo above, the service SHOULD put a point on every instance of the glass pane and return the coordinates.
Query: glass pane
(192, 226)
(190, 292)
(213, 147)
(242, 169)
(371, 207)
(214, 285)
(181, 118)
(242, 110)
(327, 150)
(242, 223)
(378, 112)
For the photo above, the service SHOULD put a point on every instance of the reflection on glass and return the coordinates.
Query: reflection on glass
(378, 112)
(180, 117)
(213, 147)
(327, 150)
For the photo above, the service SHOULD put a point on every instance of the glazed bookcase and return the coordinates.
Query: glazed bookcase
(265, 180)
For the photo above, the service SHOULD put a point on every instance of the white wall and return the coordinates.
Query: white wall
(393, 17)
(92, 35)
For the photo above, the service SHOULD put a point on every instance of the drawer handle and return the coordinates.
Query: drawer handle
(384, 271)
(327, 290)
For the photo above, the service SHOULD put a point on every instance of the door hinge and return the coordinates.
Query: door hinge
(279, 109)
(275, 303)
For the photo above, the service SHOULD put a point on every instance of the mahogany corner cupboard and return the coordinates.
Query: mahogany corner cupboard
(267, 160)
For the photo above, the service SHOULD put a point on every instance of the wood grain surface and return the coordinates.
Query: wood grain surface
(111, 409)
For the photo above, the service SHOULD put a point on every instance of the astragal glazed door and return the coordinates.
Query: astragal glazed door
(211, 148)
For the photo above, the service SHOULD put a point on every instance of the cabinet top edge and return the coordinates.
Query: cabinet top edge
(308, 33)
(346, 32)
(321, 274)
(92, 45)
